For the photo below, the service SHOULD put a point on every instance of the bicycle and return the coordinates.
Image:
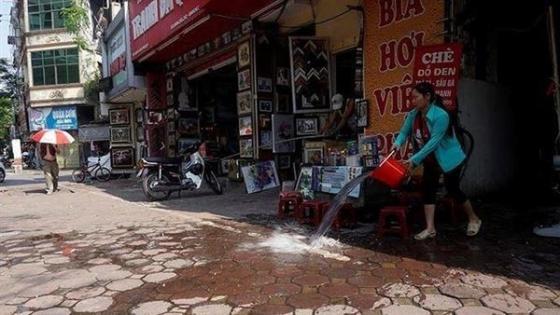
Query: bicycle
(96, 170)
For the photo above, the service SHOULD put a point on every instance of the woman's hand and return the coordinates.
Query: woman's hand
(409, 166)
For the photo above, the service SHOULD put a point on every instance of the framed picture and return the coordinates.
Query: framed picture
(282, 132)
(154, 118)
(169, 85)
(246, 148)
(310, 93)
(247, 27)
(260, 176)
(171, 139)
(244, 55)
(265, 106)
(362, 113)
(139, 134)
(120, 135)
(119, 116)
(244, 80)
(283, 76)
(284, 162)
(307, 126)
(122, 157)
(171, 127)
(283, 103)
(188, 126)
(304, 183)
(264, 85)
(185, 95)
(184, 143)
(245, 126)
(265, 122)
(313, 156)
(266, 140)
(244, 103)
(139, 116)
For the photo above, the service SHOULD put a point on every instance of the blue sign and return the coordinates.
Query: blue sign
(63, 117)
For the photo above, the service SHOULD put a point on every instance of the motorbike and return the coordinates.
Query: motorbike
(27, 160)
(5, 161)
(2, 172)
(163, 176)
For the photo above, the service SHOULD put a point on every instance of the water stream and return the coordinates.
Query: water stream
(337, 202)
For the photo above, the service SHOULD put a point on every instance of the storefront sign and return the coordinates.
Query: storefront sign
(393, 30)
(117, 57)
(440, 66)
(64, 118)
(153, 20)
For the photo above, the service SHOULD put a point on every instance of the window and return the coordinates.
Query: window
(55, 66)
(46, 14)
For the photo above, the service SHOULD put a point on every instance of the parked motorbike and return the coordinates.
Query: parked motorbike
(27, 160)
(162, 176)
(2, 173)
(5, 161)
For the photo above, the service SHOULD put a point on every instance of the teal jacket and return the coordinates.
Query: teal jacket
(446, 148)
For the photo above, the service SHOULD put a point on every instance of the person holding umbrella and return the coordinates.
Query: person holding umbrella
(48, 148)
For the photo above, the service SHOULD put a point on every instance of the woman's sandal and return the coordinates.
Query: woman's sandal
(473, 228)
(425, 235)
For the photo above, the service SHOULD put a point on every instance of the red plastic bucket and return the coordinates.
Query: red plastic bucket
(390, 172)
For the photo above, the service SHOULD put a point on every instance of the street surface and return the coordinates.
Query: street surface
(101, 248)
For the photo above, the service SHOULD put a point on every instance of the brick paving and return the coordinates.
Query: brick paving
(174, 264)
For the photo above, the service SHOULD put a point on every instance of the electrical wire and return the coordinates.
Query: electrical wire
(320, 22)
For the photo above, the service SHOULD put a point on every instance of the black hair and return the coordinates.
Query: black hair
(426, 88)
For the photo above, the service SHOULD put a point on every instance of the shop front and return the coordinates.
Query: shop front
(125, 95)
(64, 118)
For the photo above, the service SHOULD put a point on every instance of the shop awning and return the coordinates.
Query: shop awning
(185, 27)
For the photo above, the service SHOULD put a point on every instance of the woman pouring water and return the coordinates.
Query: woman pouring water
(437, 149)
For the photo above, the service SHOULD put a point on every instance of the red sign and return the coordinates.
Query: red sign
(440, 66)
(153, 21)
(118, 65)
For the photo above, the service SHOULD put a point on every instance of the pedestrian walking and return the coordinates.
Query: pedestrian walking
(50, 166)
(438, 151)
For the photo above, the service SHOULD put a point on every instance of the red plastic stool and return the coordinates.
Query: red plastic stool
(347, 215)
(310, 212)
(400, 213)
(289, 203)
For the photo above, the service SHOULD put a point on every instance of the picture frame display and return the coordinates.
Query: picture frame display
(265, 106)
(283, 103)
(307, 126)
(284, 162)
(264, 85)
(266, 139)
(122, 157)
(362, 113)
(245, 126)
(139, 116)
(265, 121)
(282, 130)
(310, 74)
(244, 103)
(260, 176)
(139, 134)
(120, 134)
(244, 80)
(246, 148)
(244, 55)
(283, 76)
(313, 156)
(119, 116)
(188, 126)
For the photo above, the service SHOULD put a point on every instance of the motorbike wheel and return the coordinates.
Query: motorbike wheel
(103, 174)
(78, 175)
(2, 175)
(213, 182)
(148, 184)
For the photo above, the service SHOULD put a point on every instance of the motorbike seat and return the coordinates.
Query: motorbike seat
(163, 160)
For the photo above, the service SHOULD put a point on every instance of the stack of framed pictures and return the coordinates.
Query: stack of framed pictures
(122, 151)
(369, 150)
(245, 101)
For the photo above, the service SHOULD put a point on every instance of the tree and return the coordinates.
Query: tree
(6, 117)
(9, 80)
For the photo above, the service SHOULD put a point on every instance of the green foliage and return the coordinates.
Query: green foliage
(6, 117)
(9, 81)
(76, 19)
(91, 88)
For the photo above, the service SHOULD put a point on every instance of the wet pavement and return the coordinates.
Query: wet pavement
(108, 255)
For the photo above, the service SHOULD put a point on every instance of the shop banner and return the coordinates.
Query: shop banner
(151, 21)
(440, 65)
(64, 118)
(393, 30)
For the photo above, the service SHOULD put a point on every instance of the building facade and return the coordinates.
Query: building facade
(55, 71)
